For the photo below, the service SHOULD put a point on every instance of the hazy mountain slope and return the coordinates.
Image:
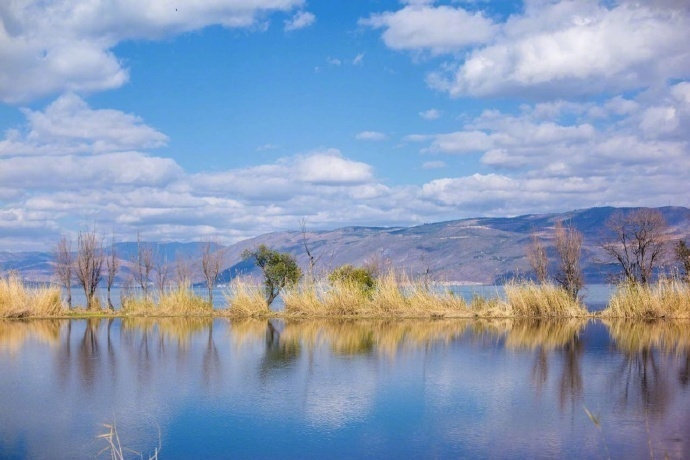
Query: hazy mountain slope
(477, 250)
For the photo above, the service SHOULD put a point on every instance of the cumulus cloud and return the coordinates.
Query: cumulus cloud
(371, 136)
(536, 158)
(65, 45)
(300, 20)
(550, 48)
(572, 154)
(437, 29)
(68, 125)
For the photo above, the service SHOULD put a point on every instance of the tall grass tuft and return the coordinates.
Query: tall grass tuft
(181, 300)
(19, 301)
(541, 300)
(393, 295)
(177, 301)
(246, 299)
(668, 298)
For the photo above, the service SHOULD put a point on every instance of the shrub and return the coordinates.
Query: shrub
(360, 277)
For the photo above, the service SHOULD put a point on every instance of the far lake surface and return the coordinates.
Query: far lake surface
(215, 388)
(595, 296)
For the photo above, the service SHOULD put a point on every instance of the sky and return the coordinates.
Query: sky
(225, 119)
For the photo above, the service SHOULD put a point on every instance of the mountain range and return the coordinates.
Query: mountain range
(484, 250)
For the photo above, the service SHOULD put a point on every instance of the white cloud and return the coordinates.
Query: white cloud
(68, 125)
(575, 48)
(439, 29)
(431, 114)
(549, 48)
(300, 20)
(629, 157)
(542, 157)
(330, 168)
(359, 59)
(334, 61)
(63, 45)
(371, 136)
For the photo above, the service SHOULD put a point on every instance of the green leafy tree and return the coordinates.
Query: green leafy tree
(279, 269)
(360, 277)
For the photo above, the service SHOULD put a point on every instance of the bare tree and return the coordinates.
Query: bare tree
(64, 266)
(569, 247)
(162, 273)
(112, 265)
(89, 264)
(683, 256)
(211, 263)
(143, 265)
(310, 255)
(536, 255)
(638, 243)
(184, 270)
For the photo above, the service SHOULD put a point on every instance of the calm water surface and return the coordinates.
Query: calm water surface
(215, 388)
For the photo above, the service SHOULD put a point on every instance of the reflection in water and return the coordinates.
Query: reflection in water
(14, 333)
(389, 387)
(655, 353)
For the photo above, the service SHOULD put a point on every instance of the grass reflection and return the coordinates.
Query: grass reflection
(14, 334)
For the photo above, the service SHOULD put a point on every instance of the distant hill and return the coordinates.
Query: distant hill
(476, 250)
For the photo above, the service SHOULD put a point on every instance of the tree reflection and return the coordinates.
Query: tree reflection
(570, 387)
(279, 354)
(211, 366)
(89, 352)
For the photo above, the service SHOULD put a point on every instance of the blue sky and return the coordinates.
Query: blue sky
(227, 119)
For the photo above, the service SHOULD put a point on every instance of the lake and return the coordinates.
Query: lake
(595, 296)
(204, 388)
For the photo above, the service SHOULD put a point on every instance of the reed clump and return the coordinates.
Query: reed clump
(182, 300)
(179, 300)
(392, 295)
(667, 298)
(246, 299)
(20, 301)
(541, 300)
(137, 306)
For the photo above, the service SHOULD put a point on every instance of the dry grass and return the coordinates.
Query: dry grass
(541, 300)
(183, 301)
(246, 299)
(19, 301)
(178, 301)
(393, 296)
(137, 306)
(668, 298)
